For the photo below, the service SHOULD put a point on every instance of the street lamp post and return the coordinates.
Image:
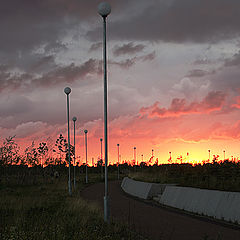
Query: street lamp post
(67, 91)
(152, 155)
(86, 131)
(134, 152)
(209, 155)
(104, 10)
(224, 154)
(118, 160)
(74, 159)
(101, 159)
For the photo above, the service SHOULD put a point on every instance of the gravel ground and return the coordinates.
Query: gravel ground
(156, 222)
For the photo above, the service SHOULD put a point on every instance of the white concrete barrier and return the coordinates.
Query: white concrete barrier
(217, 204)
(136, 188)
(142, 190)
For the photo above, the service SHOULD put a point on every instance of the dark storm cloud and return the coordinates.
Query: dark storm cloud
(42, 64)
(25, 24)
(12, 81)
(127, 63)
(228, 75)
(28, 23)
(128, 49)
(68, 74)
(54, 47)
(179, 21)
(58, 74)
(199, 73)
(234, 61)
(227, 78)
(16, 105)
(148, 57)
(203, 61)
(95, 46)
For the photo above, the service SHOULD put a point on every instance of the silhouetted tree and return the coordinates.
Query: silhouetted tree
(9, 151)
(42, 151)
(31, 154)
(60, 147)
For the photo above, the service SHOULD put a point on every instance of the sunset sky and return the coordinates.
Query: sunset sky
(173, 75)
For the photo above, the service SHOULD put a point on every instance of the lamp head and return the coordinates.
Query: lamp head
(85, 131)
(104, 9)
(74, 119)
(101, 139)
(134, 148)
(118, 144)
(67, 90)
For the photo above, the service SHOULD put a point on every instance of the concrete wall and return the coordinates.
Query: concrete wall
(217, 204)
(136, 188)
(158, 189)
(142, 189)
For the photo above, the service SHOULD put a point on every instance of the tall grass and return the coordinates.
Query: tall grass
(45, 211)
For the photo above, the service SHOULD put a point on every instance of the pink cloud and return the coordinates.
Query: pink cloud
(214, 101)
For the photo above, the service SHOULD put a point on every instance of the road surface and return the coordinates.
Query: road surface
(156, 222)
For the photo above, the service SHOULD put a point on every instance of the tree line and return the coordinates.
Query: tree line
(35, 155)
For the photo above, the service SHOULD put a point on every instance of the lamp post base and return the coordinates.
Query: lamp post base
(106, 209)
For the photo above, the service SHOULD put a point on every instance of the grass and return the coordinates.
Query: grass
(46, 211)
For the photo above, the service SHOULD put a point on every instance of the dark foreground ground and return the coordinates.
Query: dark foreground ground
(156, 222)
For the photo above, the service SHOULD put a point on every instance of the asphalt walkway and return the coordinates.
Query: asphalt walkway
(157, 223)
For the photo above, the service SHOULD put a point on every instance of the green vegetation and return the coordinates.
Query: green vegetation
(224, 175)
(44, 210)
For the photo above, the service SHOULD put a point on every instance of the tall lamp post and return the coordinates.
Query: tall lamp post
(74, 159)
(224, 154)
(101, 159)
(67, 91)
(86, 131)
(152, 155)
(104, 9)
(118, 160)
(209, 155)
(134, 152)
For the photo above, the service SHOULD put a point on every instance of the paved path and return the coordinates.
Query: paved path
(156, 222)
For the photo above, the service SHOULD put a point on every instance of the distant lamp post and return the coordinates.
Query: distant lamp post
(170, 157)
(74, 159)
(224, 154)
(209, 152)
(142, 157)
(101, 159)
(134, 153)
(67, 91)
(86, 131)
(104, 9)
(152, 155)
(118, 160)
